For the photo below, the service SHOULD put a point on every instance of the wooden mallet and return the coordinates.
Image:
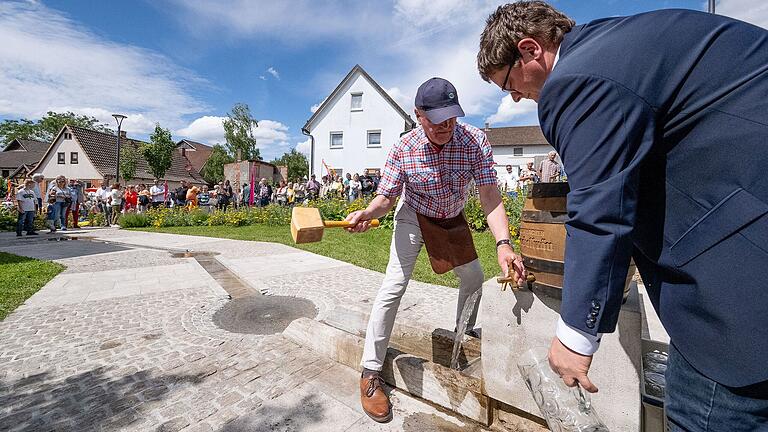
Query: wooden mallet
(307, 225)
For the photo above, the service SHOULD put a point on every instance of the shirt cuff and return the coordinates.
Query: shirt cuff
(577, 340)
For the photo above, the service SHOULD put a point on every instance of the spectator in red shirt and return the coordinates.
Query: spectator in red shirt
(131, 198)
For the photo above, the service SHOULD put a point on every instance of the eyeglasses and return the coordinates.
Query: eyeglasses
(506, 78)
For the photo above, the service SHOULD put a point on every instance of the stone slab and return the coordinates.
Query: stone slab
(68, 288)
(304, 408)
(265, 266)
(523, 320)
(433, 344)
(421, 378)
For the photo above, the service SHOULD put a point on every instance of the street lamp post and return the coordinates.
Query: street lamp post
(119, 118)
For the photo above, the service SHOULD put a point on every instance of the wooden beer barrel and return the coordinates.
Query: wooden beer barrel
(542, 238)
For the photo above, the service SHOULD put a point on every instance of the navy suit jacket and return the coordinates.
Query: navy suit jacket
(661, 120)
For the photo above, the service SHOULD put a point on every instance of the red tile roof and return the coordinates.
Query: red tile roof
(197, 153)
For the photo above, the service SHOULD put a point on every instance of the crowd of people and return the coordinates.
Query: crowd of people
(549, 171)
(66, 202)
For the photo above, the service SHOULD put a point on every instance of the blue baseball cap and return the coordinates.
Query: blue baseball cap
(438, 99)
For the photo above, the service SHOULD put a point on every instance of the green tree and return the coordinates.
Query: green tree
(238, 130)
(129, 156)
(48, 126)
(159, 151)
(12, 129)
(213, 171)
(297, 164)
(52, 122)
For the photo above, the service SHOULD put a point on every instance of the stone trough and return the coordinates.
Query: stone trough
(488, 387)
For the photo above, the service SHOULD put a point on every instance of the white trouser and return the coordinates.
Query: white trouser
(406, 244)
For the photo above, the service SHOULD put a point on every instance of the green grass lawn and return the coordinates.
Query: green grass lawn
(20, 277)
(369, 250)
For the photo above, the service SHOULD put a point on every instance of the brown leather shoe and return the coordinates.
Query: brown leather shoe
(374, 400)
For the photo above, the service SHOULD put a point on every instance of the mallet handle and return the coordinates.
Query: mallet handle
(345, 224)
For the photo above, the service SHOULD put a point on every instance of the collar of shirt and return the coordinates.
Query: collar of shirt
(557, 57)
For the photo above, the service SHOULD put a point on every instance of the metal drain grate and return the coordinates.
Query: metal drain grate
(263, 315)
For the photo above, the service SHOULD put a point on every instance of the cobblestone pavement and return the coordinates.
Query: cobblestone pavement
(124, 340)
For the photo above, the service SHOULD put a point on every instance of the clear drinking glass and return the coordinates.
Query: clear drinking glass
(566, 409)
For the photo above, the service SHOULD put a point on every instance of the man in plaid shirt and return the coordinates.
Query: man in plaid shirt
(434, 164)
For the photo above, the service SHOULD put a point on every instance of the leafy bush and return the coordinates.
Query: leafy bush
(9, 217)
(198, 217)
(96, 219)
(134, 220)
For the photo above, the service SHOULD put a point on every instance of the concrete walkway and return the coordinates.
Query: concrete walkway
(125, 339)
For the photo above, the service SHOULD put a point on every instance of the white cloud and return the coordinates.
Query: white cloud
(48, 60)
(751, 11)
(262, 77)
(509, 110)
(405, 101)
(134, 123)
(425, 38)
(316, 106)
(206, 129)
(210, 129)
(270, 132)
(304, 147)
(273, 72)
(293, 21)
(424, 13)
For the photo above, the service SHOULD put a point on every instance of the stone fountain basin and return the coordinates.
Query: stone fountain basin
(416, 362)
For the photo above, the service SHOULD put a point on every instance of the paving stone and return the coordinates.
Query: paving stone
(136, 359)
(174, 425)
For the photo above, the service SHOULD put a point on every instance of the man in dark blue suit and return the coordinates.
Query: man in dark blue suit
(645, 112)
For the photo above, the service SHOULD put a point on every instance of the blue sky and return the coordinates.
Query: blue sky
(184, 63)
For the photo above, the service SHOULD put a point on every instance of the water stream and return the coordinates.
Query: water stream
(466, 312)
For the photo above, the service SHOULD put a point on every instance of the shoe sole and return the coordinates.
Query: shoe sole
(384, 419)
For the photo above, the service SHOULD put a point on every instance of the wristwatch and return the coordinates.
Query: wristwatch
(501, 242)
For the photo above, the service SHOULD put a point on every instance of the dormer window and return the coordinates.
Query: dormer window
(67, 136)
(357, 101)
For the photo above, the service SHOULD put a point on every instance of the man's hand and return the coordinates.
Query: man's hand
(359, 221)
(570, 365)
(510, 262)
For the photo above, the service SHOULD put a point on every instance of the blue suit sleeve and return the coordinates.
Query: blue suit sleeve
(603, 132)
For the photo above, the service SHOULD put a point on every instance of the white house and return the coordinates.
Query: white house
(354, 128)
(517, 145)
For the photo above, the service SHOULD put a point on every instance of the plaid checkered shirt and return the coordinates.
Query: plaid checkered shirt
(437, 180)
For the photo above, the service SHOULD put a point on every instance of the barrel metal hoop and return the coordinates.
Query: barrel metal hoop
(546, 266)
(541, 216)
(548, 190)
(546, 290)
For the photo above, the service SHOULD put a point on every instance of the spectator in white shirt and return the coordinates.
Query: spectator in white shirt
(508, 181)
(26, 200)
(158, 194)
(354, 188)
(102, 197)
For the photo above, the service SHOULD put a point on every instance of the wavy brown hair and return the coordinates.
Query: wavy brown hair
(513, 22)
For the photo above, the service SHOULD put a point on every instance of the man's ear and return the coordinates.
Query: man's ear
(530, 49)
